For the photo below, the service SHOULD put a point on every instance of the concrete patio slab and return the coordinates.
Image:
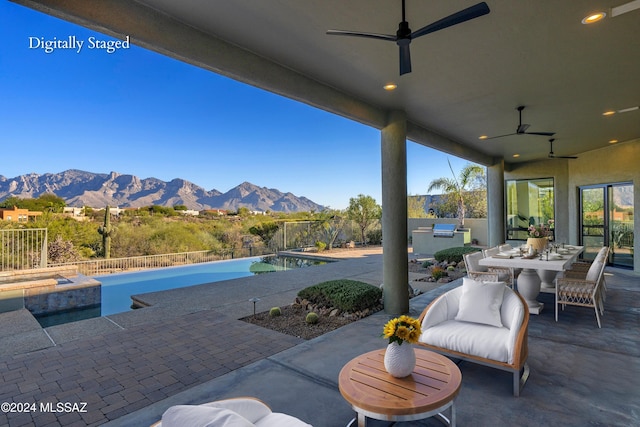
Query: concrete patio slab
(580, 375)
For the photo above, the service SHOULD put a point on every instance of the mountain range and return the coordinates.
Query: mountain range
(79, 188)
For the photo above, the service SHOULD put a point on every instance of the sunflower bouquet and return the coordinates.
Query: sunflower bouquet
(401, 329)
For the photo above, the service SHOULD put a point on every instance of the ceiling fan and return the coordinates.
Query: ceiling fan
(404, 35)
(522, 128)
(553, 156)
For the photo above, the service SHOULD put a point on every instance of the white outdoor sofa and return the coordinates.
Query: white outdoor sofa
(480, 322)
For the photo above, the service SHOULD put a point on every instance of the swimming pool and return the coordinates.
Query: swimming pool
(118, 288)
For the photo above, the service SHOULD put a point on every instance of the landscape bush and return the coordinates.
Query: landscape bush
(344, 294)
(454, 254)
(275, 312)
(438, 273)
(427, 264)
(312, 318)
(374, 237)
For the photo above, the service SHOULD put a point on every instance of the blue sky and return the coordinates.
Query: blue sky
(137, 112)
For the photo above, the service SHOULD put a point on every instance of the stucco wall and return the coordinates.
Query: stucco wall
(614, 164)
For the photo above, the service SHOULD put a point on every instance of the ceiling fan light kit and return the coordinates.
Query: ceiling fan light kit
(404, 35)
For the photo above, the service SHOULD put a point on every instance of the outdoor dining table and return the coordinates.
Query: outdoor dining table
(538, 273)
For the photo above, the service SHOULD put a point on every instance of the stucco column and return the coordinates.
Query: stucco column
(496, 204)
(395, 265)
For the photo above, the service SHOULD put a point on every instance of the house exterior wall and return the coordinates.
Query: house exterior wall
(17, 215)
(614, 164)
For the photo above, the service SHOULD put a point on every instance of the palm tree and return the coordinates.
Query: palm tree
(457, 187)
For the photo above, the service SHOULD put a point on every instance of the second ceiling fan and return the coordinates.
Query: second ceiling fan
(522, 128)
(404, 35)
(553, 156)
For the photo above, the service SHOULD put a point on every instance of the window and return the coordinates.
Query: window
(529, 202)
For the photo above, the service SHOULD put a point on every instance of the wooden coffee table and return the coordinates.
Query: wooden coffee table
(373, 393)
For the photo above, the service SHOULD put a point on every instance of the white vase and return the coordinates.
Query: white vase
(399, 360)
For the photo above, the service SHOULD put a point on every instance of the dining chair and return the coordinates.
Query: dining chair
(504, 273)
(482, 273)
(582, 291)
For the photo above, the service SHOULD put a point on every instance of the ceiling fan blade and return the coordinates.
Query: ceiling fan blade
(552, 156)
(522, 128)
(405, 59)
(386, 37)
(540, 133)
(457, 18)
(500, 136)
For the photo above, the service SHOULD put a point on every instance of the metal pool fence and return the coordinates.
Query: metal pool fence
(22, 249)
(100, 266)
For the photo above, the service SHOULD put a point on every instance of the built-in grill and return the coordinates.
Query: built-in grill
(443, 230)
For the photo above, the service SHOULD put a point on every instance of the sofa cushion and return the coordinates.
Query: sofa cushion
(470, 338)
(202, 416)
(481, 302)
(277, 419)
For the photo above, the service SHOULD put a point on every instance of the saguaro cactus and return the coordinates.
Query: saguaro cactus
(106, 230)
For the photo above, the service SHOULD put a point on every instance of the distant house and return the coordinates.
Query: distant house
(18, 215)
(73, 212)
(115, 211)
(219, 212)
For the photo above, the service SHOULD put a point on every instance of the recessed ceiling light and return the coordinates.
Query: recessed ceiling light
(390, 86)
(594, 17)
(483, 137)
(516, 155)
(613, 141)
(609, 113)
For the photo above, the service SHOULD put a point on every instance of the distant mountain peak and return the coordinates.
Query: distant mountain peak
(80, 188)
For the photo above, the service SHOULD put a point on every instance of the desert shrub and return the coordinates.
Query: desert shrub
(347, 295)
(312, 318)
(320, 246)
(374, 237)
(275, 312)
(438, 273)
(427, 264)
(451, 268)
(454, 254)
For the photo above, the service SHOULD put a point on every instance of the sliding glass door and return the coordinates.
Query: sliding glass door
(607, 220)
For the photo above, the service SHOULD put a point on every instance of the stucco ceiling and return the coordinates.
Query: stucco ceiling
(468, 79)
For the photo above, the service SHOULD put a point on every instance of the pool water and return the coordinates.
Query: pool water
(118, 288)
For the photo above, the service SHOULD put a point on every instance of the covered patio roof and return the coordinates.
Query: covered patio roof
(467, 81)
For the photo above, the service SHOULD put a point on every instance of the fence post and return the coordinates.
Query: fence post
(44, 252)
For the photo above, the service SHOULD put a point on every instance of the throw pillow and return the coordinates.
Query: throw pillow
(480, 302)
(594, 271)
(202, 416)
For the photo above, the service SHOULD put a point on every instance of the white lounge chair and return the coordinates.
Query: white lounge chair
(238, 412)
(480, 322)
